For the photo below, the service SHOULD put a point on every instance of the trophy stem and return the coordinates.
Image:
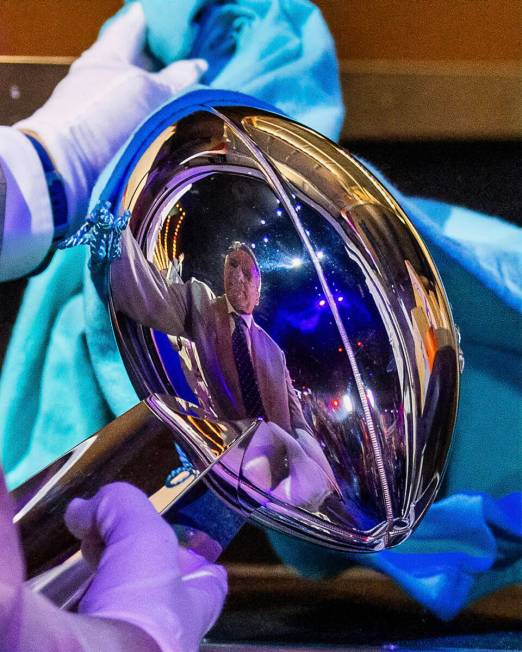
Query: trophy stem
(138, 448)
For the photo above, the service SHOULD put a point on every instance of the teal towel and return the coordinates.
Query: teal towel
(63, 378)
(280, 51)
(466, 546)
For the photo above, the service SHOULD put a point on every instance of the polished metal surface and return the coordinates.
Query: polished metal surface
(241, 647)
(353, 359)
(137, 447)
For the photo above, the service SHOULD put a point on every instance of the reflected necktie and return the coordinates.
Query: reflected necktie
(245, 370)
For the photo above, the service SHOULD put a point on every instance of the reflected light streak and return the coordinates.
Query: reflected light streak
(205, 435)
(347, 403)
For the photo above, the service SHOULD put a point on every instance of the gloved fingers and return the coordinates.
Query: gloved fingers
(11, 574)
(123, 39)
(206, 580)
(181, 74)
(80, 520)
(144, 577)
(206, 586)
(79, 517)
(184, 613)
(119, 512)
(207, 600)
(11, 558)
(191, 562)
(146, 61)
(114, 511)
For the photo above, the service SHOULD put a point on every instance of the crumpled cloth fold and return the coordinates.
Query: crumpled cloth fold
(257, 47)
(467, 546)
(63, 377)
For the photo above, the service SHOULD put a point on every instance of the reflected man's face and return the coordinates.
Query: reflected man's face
(242, 281)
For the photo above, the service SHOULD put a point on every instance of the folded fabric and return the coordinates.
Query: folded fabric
(466, 546)
(63, 377)
(280, 51)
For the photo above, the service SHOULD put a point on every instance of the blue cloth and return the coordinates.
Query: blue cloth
(63, 377)
(280, 51)
(467, 545)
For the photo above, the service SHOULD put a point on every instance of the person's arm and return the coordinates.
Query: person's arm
(26, 221)
(91, 113)
(147, 595)
(141, 292)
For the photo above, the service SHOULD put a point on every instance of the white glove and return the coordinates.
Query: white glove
(105, 96)
(147, 592)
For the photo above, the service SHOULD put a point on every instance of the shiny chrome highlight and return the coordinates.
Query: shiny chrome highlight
(354, 350)
(327, 412)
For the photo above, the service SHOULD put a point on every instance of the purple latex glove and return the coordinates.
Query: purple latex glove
(11, 572)
(142, 575)
(147, 592)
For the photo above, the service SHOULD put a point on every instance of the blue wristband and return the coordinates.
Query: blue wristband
(56, 189)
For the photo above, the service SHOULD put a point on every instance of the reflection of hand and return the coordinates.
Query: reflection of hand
(294, 471)
(313, 449)
(173, 272)
(147, 593)
(105, 96)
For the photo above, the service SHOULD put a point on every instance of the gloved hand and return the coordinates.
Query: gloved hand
(105, 96)
(142, 574)
(147, 592)
(11, 573)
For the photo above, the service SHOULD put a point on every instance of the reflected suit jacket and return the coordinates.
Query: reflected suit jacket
(191, 310)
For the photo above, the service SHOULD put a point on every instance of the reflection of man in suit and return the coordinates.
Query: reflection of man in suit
(245, 370)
